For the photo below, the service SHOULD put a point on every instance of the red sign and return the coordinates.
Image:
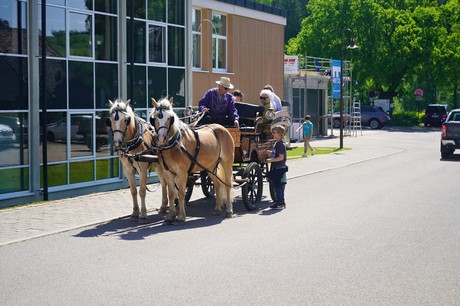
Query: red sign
(418, 92)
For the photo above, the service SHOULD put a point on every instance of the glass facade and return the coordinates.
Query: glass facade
(82, 72)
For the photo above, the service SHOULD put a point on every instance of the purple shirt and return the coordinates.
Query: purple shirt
(220, 106)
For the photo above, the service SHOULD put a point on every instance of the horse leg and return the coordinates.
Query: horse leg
(171, 192)
(227, 190)
(182, 184)
(164, 198)
(142, 194)
(229, 202)
(133, 190)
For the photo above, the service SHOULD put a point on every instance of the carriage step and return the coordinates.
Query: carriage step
(146, 158)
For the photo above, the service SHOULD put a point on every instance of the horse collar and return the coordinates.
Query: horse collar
(173, 141)
(137, 141)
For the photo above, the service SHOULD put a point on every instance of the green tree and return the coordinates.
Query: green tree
(403, 44)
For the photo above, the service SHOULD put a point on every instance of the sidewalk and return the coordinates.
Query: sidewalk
(32, 221)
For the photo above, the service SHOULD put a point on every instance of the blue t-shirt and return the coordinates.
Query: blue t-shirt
(307, 128)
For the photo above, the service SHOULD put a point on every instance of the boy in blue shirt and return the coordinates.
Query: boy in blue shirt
(307, 135)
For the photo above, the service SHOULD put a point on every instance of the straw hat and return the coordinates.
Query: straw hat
(224, 81)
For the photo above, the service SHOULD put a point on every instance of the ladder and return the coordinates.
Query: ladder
(356, 119)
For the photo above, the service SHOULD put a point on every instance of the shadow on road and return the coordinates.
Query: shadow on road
(199, 214)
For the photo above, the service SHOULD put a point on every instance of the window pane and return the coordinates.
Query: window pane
(214, 53)
(56, 84)
(157, 37)
(55, 32)
(176, 86)
(139, 8)
(57, 175)
(81, 85)
(13, 78)
(13, 26)
(80, 40)
(157, 10)
(176, 46)
(104, 137)
(81, 131)
(56, 136)
(157, 83)
(81, 172)
(13, 139)
(106, 37)
(108, 6)
(196, 51)
(176, 12)
(196, 20)
(139, 41)
(106, 84)
(220, 24)
(139, 99)
(80, 4)
(12, 180)
(107, 168)
(222, 54)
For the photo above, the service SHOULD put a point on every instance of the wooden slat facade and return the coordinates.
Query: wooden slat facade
(255, 53)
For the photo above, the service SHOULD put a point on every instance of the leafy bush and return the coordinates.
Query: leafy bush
(406, 118)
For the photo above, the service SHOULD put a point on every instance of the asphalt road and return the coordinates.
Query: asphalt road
(383, 231)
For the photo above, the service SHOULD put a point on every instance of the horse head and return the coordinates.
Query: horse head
(120, 121)
(165, 121)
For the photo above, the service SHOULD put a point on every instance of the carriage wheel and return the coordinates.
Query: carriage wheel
(251, 192)
(207, 185)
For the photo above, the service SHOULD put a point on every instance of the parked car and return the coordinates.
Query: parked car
(57, 131)
(19, 125)
(7, 136)
(450, 134)
(373, 116)
(435, 114)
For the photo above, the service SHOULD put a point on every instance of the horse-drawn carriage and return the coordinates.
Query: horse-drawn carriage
(215, 157)
(250, 170)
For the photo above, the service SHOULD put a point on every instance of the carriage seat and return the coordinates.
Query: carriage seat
(248, 113)
(283, 118)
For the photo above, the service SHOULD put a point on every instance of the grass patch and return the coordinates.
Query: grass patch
(296, 152)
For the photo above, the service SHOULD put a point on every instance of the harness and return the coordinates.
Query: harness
(136, 142)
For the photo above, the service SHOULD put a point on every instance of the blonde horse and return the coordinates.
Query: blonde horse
(183, 151)
(131, 136)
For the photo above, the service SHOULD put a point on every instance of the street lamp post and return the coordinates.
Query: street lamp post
(351, 45)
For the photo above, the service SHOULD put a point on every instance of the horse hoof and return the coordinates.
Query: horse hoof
(179, 222)
(162, 210)
(142, 220)
(216, 212)
(168, 222)
(228, 215)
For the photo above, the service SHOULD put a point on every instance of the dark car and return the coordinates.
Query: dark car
(450, 134)
(373, 116)
(435, 115)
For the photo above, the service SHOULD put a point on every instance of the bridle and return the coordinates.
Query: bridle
(172, 141)
(128, 144)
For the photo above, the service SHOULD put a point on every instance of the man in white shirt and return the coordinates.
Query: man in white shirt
(276, 99)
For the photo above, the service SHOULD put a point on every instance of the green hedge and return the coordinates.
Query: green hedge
(406, 118)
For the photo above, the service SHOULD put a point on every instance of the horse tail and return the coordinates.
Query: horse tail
(225, 167)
